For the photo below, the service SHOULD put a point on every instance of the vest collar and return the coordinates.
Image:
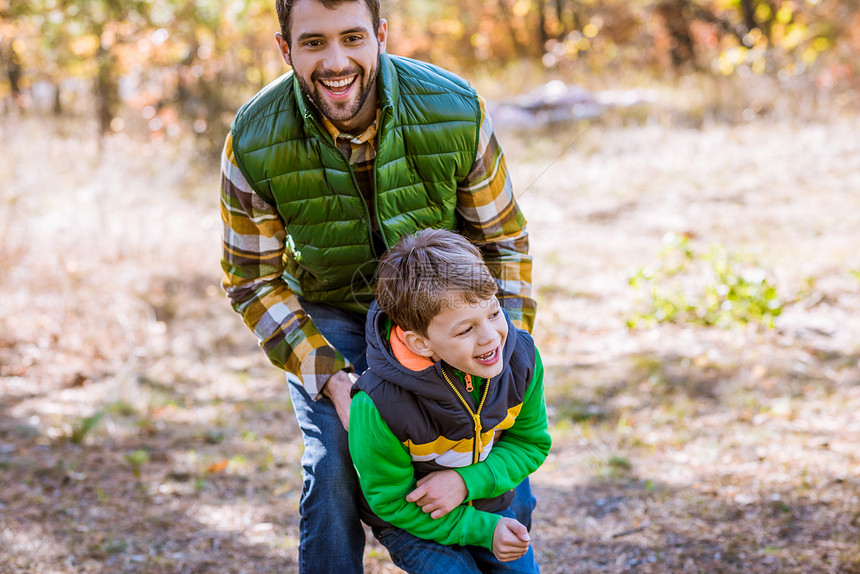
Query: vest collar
(388, 90)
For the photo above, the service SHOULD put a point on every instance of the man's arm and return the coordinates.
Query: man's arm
(520, 451)
(492, 220)
(386, 475)
(253, 242)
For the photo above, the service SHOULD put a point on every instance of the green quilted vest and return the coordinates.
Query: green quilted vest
(428, 137)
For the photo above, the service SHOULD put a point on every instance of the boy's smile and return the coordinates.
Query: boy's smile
(489, 358)
(468, 336)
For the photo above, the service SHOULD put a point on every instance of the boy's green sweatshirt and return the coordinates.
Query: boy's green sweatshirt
(385, 469)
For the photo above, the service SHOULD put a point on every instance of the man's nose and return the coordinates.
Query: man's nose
(336, 58)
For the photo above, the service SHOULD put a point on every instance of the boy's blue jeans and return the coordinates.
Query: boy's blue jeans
(416, 555)
(330, 531)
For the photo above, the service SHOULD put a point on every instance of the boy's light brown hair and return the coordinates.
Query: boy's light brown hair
(416, 278)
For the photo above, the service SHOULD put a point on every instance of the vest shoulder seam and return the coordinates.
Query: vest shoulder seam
(431, 75)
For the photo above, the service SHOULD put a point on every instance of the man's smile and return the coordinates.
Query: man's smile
(339, 87)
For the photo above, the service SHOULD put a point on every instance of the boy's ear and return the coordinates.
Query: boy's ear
(417, 344)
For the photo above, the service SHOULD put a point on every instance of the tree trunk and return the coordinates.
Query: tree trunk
(58, 102)
(674, 15)
(748, 14)
(107, 94)
(508, 19)
(13, 69)
(559, 15)
(543, 37)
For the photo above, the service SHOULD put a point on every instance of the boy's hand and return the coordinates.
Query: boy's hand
(510, 540)
(439, 492)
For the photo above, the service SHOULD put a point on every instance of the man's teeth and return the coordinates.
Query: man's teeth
(338, 83)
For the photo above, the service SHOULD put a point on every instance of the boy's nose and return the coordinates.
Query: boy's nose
(486, 334)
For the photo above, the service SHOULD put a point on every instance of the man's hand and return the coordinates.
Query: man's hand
(510, 540)
(337, 389)
(439, 492)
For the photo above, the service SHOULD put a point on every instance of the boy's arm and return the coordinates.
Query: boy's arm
(520, 451)
(385, 472)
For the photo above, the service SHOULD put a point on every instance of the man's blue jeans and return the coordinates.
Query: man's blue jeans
(330, 531)
(331, 536)
(419, 556)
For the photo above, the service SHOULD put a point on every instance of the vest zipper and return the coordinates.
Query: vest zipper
(478, 447)
(386, 111)
(366, 208)
(368, 215)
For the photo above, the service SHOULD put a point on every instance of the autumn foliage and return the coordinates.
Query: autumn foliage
(174, 66)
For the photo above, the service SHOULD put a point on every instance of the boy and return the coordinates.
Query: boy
(453, 397)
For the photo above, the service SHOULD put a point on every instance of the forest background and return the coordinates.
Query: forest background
(690, 171)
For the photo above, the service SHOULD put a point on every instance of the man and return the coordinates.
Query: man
(324, 169)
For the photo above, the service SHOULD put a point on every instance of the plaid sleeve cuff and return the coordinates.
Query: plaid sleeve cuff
(319, 365)
(310, 356)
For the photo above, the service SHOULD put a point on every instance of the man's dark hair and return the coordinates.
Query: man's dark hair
(285, 8)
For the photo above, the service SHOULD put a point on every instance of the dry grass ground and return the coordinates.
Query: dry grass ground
(142, 430)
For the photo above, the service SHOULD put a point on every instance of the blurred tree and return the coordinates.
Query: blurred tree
(111, 28)
(677, 18)
(10, 12)
(13, 66)
(183, 65)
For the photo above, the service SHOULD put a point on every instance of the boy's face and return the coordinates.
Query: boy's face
(468, 336)
(335, 57)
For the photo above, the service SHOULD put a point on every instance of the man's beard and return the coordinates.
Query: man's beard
(340, 113)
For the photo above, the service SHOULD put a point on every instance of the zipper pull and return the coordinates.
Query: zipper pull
(479, 445)
(468, 379)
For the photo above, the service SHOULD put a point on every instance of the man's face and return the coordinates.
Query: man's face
(469, 336)
(335, 57)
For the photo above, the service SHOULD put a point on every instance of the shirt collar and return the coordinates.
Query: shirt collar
(361, 138)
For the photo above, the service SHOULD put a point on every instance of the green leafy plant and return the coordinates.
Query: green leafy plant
(616, 467)
(137, 459)
(79, 431)
(713, 287)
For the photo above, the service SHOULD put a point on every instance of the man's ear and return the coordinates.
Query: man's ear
(382, 34)
(283, 48)
(417, 344)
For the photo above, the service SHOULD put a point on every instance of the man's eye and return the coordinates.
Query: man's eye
(353, 39)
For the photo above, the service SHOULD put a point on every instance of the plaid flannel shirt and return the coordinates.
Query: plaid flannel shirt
(253, 241)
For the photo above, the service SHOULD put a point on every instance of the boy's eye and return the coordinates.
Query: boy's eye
(463, 332)
(495, 315)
